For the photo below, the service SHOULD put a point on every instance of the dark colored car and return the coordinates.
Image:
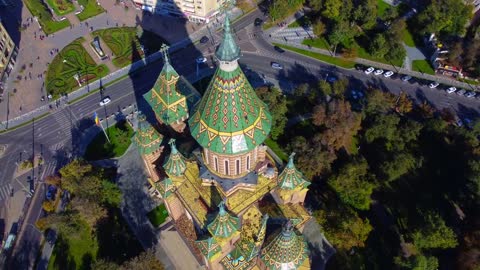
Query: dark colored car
(278, 49)
(258, 22)
(204, 39)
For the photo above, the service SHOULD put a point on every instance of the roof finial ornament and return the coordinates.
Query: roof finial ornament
(172, 145)
(287, 228)
(290, 160)
(164, 49)
(221, 207)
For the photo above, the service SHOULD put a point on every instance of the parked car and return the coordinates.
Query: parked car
(204, 40)
(331, 79)
(258, 22)
(276, 65)
(369, 70)
(452, 89)
(201, 60)
(406, 78)
(461, 92)
(105, 101)
(433, 85)
(470, 94)
(388, 74)
(378, 72)
(278, 49)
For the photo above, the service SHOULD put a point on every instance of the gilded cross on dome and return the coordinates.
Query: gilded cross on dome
(164, 50)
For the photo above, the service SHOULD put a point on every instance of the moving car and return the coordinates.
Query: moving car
(278, 49)
(369, 70)
(204, 40)
(433, 85)
(105, 101)
(470, 94)
(201, 60)
(388, 74)
(406, 78)
(378, 72)
(451, 89)
(276, 65)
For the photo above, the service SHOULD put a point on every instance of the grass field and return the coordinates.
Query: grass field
(61, 7)
(325, 58)
(320, 43)
(41, 11)
(119, 135)
(422, 66)
(90, 9)
(124, 44)
(381, 7)
(408, 38)
(158, 215)
(73, 60)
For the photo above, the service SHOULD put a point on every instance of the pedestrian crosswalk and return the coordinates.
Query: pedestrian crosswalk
(5, 192)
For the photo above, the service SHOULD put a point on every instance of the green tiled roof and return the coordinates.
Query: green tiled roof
(208, 247)
(287, 250)
(166, 100)
(165, 187)
(230, 118)
(147, 138)
(175, 164)
(290, 178)
(224, 225)
(228, 49)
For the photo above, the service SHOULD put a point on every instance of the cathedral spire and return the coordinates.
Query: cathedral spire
(290, 178)
(224, 225)
(175, 164)
(228, 50)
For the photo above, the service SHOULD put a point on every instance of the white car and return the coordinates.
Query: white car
(369, 70)
(378, 72)
(105, 101)
(276, 65)
(433, 85)
(406, 78)
(451, 90)
(461, 92)
(388, 74)
(470, 94)
(201, 60)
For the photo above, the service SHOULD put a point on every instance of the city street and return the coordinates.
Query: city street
(57, 135)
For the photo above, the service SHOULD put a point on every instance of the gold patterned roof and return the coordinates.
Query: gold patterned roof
(175, 164)
(291, 178)
(224, 225)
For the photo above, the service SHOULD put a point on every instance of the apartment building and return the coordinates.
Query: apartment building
(202, 11)
(8, 54)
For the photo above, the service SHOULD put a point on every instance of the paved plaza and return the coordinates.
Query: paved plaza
(25, 86)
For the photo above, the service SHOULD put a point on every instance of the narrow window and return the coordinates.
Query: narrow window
(248, 162)
(238, 166)
(216, 163)
(226, 167)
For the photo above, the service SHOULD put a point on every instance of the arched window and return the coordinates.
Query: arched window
(248, 162)
(216, 163)
(238, 166)
(226, 167)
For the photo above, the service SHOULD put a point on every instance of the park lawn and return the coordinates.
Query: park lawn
(320, 43)
(73, 60)
(422, 66)
(90, 9)
(276, 149)
(124, 44)
(324, 58)
(41, 11)
(381, 7)
(408, 38)
(300, 22)
(158, 215)
(362, 53)
(61, 7)
(120, 138)
(74, 252)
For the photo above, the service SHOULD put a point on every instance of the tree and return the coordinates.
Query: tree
(325, 88)
(277, 105)
(365, 14)
(54, 180)
(379, 102)
(340, 33)
(331, 9)
(314, 160)
(434, 234)
(390, 13)
(384, 126)
(352, 184)
(349, 53)
(379, 47)
(48, 206)
(397, 30)
(319, 28)
(91, 211)
(301, 90)
(417, 262)
(111, 194)
(402, 164)
(404, 104)
(454, 53)
(339, 87)
(343, 227)
(102, 264)
(75, 169)
(146, 260)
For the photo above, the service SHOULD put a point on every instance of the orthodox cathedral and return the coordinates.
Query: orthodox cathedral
(234, 205)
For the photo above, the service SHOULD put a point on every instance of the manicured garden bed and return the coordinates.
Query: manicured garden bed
(422, 66)
(158, 215)
(124, 44)
(73, 60)
(42, 12)
(91, 8)
(61, 7)
(120, 138)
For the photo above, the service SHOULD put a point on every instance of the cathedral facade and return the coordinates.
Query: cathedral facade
(232, 203)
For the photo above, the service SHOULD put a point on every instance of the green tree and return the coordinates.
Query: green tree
(434, 234)
(384, 126)
(340, 33)
(390, 14)
(417, 262)
(277, 104)
(102, 264)
(146, 260)
(379, 101)
(396, 51)
(365, 14)
(319, 28)
(111, 194)
(353, 184)
(402, 164)
(331, 9)
(379, 46)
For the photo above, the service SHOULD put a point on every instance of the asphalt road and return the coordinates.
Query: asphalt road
(52, 135)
